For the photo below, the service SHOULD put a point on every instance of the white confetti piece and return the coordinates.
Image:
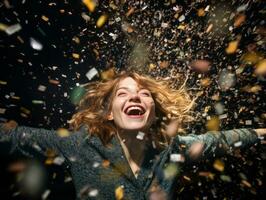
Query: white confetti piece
(177, 158)
(91, 73)
(140, 135)
(238, 144)
(181, 18)
(93, 193)
(41, 88)
(45, 194)
(36, 44)
(13, 29)
(59, 160)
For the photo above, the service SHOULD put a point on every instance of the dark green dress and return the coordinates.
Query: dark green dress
(104, 169)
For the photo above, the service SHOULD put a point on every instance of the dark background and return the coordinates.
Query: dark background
(23, 69)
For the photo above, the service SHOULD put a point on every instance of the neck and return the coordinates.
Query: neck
(134, 144)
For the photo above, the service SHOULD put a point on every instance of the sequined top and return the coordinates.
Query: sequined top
(106, 170)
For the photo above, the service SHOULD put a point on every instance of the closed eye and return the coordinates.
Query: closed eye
(121, 94)
(145, 93)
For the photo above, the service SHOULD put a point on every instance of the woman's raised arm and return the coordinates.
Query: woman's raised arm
(29, 140)
(212, 142)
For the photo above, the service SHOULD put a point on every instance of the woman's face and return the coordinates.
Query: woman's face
(133, 107)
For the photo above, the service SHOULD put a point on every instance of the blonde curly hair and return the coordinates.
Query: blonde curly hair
(96, 105)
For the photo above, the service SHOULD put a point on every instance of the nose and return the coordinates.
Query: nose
(134, 97)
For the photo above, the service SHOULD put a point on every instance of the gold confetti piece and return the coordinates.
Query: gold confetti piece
(130, 29)
(239, 20)
(108, 74)
(232, 47)
(25, 110)
(251, 58)
(62, 11)
(152, 66)
(105, 163)
(49, 161)
(209, 28)
(44, 18)
(20, 39)
(55, 82)
(91, 4)
(119, 193)
(3, 82)
(213, 124)
(3, 27)
(260, 67)
(101, 21)
(207, 175)
(205, 82)
(181, 27)
(218, 165)
(23, 115)
(75, 55)
(50, 153)
(246, 183)
(201, 12)
(76, 39)
(187, 178)
(62, 132)
(164, 64)
(252, 89)
(130, 12)
(15, 97)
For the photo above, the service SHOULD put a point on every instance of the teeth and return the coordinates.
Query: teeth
(134, 108)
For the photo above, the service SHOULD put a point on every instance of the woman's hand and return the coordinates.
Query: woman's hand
(261, 132)
(11, 124)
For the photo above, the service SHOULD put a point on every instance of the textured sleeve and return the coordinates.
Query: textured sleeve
(217, 141)
(28, 140)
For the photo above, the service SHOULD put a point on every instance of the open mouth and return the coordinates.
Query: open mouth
(134, 111)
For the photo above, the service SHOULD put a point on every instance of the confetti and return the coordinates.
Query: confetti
(170, 171)
(62, 132)
(108, 74)
(101, 21)
(201, 65)
(261, 67)
(140, 135)
(177, 158)
(44, 18)
(232, 47)
(213, 124)
(106, 163)
(226, 80)
(218, 165)
(2, 110)
(91, 4)
(35, 44)
(225, 178)
(13, 29)
(91, 73)
(119, 193)
(76, 94)
(75, 55)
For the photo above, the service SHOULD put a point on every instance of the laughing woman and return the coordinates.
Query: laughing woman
(124, 137)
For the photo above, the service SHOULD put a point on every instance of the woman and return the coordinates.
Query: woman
(121, 146)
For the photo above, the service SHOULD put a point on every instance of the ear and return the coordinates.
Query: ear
(110, 116)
